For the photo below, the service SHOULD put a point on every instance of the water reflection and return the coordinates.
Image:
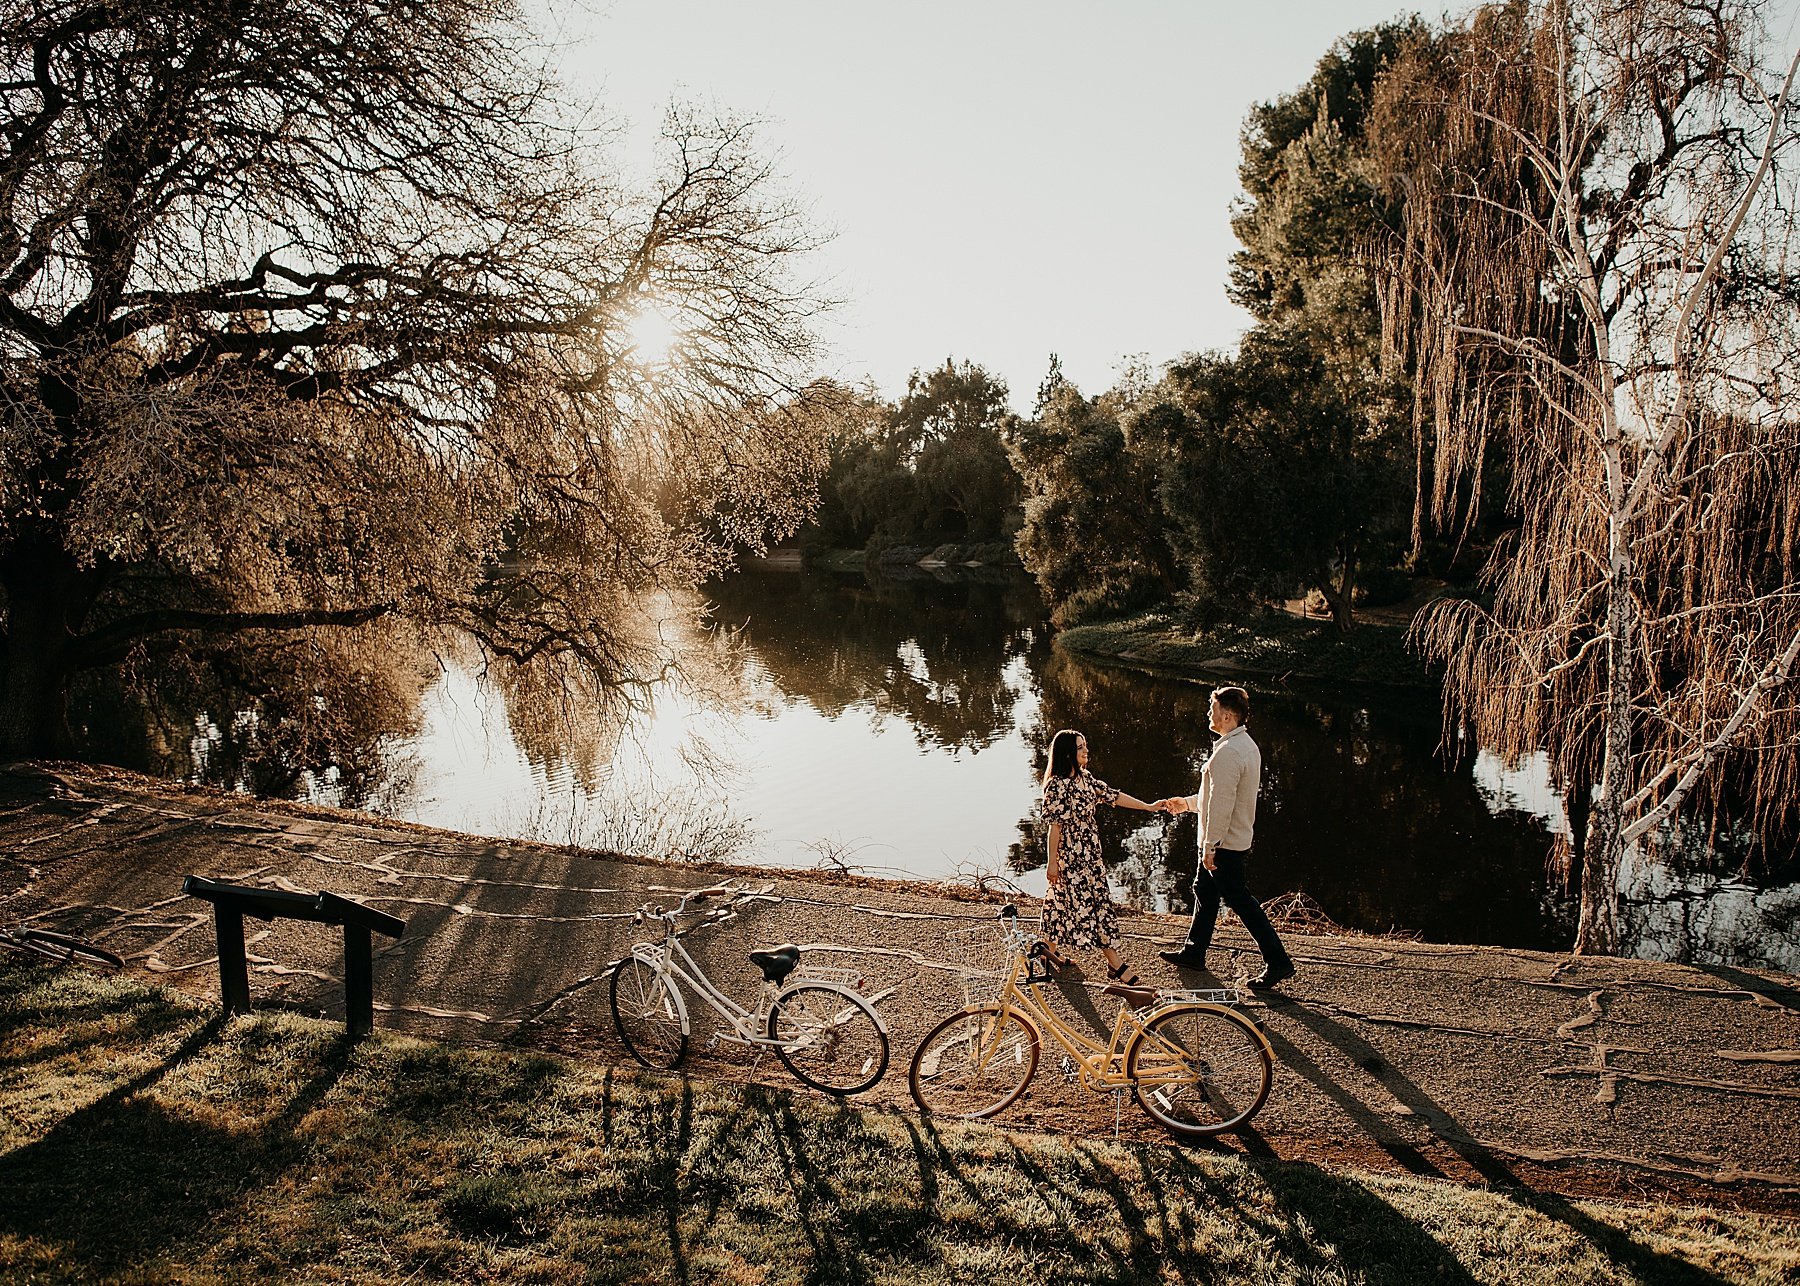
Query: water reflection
(949, 657)
(897, 725)
(1357, 810)
(311, 717)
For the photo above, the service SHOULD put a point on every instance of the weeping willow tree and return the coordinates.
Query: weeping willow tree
(1594, 277)
(324, 317)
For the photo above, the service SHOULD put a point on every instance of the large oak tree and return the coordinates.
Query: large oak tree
(314, 314)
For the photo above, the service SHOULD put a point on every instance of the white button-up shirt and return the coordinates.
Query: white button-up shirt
(1226, 801)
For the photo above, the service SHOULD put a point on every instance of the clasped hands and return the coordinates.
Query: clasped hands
(1174, 804)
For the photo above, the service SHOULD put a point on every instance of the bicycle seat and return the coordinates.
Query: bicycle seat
(777, 962)
(1136, 997)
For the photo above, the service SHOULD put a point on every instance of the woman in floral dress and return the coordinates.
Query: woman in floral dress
(1078, 909)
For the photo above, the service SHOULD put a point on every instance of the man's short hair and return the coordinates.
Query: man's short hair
(1235, 700)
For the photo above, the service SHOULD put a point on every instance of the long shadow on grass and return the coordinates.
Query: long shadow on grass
(89, 1024)
(125, 1177)
(936, 1157)
(668, 1178)
(817, 1199)
(1619, 1248)
(1331, 1226)
(1153, 1219)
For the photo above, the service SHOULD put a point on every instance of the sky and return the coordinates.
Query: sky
(1003, 180)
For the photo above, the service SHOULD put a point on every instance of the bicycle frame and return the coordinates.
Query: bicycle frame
(1195, 1064)
(1101, 1067)
(671, 960)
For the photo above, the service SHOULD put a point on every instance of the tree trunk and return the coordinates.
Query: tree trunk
(1340, 594)
(44, 590)
(1415, 557)
(1578, 799)
(1597, 932)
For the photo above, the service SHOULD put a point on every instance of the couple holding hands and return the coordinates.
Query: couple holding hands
(1078, 909)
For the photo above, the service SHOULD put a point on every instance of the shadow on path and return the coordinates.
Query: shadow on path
(1619, 1248)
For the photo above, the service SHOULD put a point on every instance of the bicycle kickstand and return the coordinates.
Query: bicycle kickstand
(1118, 1094)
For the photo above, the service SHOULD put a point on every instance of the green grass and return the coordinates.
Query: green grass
(143, 1140)
(1270, 645)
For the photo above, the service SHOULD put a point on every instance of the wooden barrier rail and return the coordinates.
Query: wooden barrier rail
(232, 902)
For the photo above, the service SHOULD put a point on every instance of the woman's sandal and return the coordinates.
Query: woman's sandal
(1048, 955)
(1118, 975)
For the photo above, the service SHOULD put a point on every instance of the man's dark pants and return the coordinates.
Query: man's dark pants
(1226, 884)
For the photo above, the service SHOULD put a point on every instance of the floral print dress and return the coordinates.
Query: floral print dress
(1079, 911)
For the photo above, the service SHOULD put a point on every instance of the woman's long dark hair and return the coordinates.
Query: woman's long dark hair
(1062, 755)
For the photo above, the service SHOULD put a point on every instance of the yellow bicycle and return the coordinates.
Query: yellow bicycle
(1195, 1064)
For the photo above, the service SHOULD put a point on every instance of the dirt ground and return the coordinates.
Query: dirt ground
(1564, 1075)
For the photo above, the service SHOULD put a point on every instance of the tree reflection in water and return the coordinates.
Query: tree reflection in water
(1357, 810)
(1360, 811)
(310, 716)
(902, 721)
(948, 654)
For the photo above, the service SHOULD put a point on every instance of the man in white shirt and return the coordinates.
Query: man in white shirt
(1226, 802)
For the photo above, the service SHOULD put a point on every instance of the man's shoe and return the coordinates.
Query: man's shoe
(1185, 959)
(1273, 975)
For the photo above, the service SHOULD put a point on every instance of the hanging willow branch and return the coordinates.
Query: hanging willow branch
(1592, 276)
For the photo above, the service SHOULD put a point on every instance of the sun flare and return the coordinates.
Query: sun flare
(652, 334)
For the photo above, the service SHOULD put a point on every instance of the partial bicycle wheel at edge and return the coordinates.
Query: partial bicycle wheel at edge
(647, 1014)
(975, 1063)
(1200, 1070)
(65, 949)
(828, 1038)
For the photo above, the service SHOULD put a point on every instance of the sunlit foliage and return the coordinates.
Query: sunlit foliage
(313, 315)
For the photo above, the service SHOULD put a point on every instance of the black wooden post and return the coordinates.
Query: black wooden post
(234, 967)
(359, 983)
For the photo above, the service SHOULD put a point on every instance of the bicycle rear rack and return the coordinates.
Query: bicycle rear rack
(1201, 995)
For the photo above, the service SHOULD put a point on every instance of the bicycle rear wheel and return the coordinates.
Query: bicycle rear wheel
(975, 1063)
(648, 1013)
(830, 1039)
(1200, 1070)
(63, 948)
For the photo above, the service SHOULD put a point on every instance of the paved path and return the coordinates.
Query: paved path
(1484, 1065)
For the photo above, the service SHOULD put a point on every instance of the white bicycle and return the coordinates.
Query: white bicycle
(57, 948)
(815, 1020)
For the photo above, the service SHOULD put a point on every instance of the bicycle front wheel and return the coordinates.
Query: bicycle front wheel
(63, 948)
(830, 1039)
(1200, 1070)
(648, 1013)
(974, 1064)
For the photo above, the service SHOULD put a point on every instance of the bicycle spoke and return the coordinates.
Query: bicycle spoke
(828, 1039)
(974, 1064)
(1200, 1070)
(647, 1013)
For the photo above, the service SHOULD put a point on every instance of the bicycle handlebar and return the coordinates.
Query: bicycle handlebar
(700, 895)
(656, 911)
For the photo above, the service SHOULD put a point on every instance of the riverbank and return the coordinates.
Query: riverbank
(141, 1139)
(993, 554)
(1531, 1072)
(1272, 646)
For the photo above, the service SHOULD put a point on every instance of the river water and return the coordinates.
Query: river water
(896, 727)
